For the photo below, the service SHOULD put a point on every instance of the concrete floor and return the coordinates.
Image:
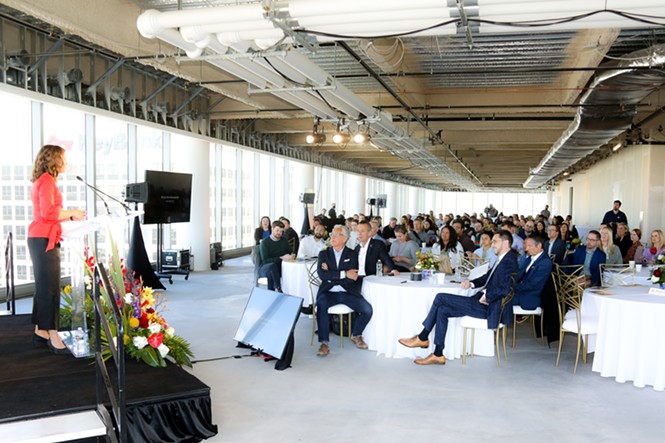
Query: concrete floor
(355, 395)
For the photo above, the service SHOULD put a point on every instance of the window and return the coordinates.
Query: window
(21, 252)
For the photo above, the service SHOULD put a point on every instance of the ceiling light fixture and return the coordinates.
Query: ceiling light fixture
(362, 136)
(317, 136)
(617, 147)
(341, 137)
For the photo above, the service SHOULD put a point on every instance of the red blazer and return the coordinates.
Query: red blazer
(46, 203)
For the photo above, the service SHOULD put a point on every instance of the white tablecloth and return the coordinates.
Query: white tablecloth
(295, 280)
(630, 344)
(399, 310)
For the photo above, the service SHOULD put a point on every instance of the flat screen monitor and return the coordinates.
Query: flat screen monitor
(169, 197)
(268, 320)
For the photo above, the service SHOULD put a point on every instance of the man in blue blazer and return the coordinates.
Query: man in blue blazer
(370, 251)
(554, 245)
(591, 257)
(338, 270)
(486, 303)
(533, 274)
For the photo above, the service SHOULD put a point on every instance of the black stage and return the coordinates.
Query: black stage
(163, 404)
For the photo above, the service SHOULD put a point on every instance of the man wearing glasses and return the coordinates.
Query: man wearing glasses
(591, 257)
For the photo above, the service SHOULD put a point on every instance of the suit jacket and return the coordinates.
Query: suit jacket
(597, 258)
(559, 250)
(376, 251)
(498, 287)
(530, 284)
(332, 276)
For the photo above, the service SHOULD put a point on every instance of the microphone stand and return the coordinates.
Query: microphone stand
(101, 193)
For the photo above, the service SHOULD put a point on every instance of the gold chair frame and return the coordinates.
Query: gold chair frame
(314, 280)
(569, 284)
(616, 275)
(500, 330)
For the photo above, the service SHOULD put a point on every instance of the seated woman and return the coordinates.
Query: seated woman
(263, 230)
(636, 250)
(450, 247)
(403, 250)
(655, 248)
(540, 230)
(566, 235)
(431, 234)
(485, 253)
(612, 251)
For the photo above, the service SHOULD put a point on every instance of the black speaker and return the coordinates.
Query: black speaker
(215, 255)
(371, 201)
(136, 192)
(307, 198)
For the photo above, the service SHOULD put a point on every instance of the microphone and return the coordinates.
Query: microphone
(101, 193)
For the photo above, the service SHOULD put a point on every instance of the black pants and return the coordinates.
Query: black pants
(46, 266)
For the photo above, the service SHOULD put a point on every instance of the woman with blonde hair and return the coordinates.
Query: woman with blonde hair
(44, 235)
(612, 251)
(655, 248)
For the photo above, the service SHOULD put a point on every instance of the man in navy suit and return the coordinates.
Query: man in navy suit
(486, 303)
(591, 257)
(370, 251)
(338, 270)
(554, 245)
(533, 274)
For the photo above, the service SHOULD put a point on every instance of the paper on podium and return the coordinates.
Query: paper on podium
(75, 229)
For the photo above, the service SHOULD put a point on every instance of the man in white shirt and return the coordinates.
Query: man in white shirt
(311, 245)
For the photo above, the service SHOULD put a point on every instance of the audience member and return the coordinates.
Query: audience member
(403, 250)
(338, 270)
(353, 234)
(311, 245)
(591, 257)
(486, 303)
(274, 249)
(485, 252)
(612, 251)
(546, 212)
(451, 247)
(622, 239)
(518, 243)
(466, 242)
(533, 275)
(332, 213)
(389, 230)
(540, 229)
(636, 250)
(418, 234)
(291, 235)
(263, 230)
(655, 249)
(554, 245)
(615, 216)
(374, 233)
(370, 251)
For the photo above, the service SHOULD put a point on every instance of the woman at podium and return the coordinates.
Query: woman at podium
(44, 235)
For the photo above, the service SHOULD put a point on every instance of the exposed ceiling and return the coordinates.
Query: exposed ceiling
(461, 108)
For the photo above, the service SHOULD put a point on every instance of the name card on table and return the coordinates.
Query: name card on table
(656, 291)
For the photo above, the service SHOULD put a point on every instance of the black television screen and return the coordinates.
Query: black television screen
(169, 197)
(268, 320)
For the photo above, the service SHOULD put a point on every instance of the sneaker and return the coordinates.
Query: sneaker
(359, 342)
(324, 350)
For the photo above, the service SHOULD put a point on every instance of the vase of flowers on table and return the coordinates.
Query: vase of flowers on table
(658, 276)
(426, 264)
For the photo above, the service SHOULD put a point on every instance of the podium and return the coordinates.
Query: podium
(75, 235)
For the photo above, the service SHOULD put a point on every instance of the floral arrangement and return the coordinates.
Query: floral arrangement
(658, 276)
(425, 261)
(147, 335)
(660, 258)
(574, 243)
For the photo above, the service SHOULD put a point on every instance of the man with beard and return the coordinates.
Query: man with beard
(311, 245)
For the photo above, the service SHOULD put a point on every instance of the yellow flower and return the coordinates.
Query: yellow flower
(148, 296)
(133, 322)
(126, 339)
(67, 289)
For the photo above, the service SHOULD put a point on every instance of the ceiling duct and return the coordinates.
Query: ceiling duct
(597, 122)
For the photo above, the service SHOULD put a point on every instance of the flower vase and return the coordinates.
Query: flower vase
(426, 274)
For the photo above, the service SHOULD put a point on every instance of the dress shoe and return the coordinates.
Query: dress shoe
(307, 310)
(414, 342)
(38, 341)
(431, 360)
(57, 351)
(324, 350)
(359, 342)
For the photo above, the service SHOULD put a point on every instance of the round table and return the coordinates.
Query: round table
(630, 343)
(401, 305)
(295, 279)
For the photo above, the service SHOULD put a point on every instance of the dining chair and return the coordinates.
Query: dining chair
(616, 275)
(473, 323)
(340, 309)
(569, 284)
(466, 266)
(531, 314)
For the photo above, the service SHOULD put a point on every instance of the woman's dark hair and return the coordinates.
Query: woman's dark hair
(452, 242)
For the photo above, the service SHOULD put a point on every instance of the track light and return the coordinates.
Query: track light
(341, 137)
(362, 136)
(317, 136)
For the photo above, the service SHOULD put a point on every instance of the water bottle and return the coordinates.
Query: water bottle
(79, 342)
(423, 248)
(379, 269)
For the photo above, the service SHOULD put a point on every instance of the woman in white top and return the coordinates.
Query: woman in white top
(485, 253)
(451, 247)
(612, 251)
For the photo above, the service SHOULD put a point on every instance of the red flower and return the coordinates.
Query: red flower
(656, 272)
(653, 250)
(155, 340)
(143, 321)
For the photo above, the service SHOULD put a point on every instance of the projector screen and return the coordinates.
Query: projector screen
(169, 197)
